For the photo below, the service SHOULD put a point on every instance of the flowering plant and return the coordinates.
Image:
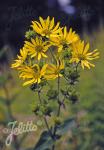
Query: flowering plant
(51, 52)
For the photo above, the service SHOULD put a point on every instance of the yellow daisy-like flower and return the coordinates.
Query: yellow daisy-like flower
(20, 58)
(37, 48)
(53, 71)
(65, 39)
(46, 27)
(81, 55)
(33, 74)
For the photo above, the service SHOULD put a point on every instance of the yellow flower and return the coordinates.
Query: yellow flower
(46, 27)
(33, 74)
(65, 39)
(81, 55)
(37, 48)
(20, 58)
(53, 71)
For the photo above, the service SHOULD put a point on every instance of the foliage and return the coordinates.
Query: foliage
(6, 112)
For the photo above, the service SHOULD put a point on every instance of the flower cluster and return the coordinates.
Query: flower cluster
(43, 55)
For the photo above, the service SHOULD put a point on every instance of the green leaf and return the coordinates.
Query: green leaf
(68, 124)
(45, 142)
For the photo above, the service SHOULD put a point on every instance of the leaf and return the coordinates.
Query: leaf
(14, 97)
(45, 142)
(68, 124)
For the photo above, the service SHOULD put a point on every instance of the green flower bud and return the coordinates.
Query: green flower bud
(74, 76)
(43, 82)
(57, 120)
(65, 93)
(62, 71)
(39, 123)
(48, 111)
(36, 108)
(74, 97)
(66, 53)
(52, 94)
(30, 34)
(34, 86)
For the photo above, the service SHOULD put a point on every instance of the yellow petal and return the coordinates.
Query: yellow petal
(29, 82)
(43, 70)
(36, 28)
(39, 25)
(37, 41)
(56, 27)
(42, 22)
(33, 41)
(29, 44)
(39, 56)
(65, 32)
(47, 22)
(86, 48)
(38, 80)
(44, 55)
(51, 24)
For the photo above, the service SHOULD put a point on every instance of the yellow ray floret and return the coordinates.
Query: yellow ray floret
(32, 74)
(20, 58)
(81, 55)
(53, 71)
(65, 39)
(37, 48)
(46, 27)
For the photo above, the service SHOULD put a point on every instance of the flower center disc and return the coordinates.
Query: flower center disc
(82, 57)
(39, 48)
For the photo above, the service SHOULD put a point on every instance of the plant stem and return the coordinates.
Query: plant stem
(77, 67)
(39, 96)
(45, 120)
(59, 108)
(58, 83)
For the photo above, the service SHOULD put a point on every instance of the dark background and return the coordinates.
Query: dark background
(16, 16)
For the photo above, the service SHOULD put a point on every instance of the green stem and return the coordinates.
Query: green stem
(77, 67)
(39, 96)
(45, 120)
(59, 108)
(53, 55)
(58, 86)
